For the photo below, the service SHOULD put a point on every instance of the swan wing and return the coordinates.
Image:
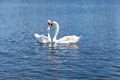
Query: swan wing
(41, 38)
(69, 39)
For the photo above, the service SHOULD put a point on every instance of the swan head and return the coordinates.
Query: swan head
(49, 21)
(54, 23)
(49, 25)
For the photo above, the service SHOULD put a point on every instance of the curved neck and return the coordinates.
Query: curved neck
(56, 31)
(49, 37)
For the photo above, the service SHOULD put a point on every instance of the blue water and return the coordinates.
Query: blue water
(95, 57)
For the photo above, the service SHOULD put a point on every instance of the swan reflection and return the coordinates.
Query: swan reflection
(57, 56)
(59, 46)
(64, 46)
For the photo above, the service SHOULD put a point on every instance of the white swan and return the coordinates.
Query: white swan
(43, 38)
(66, 39)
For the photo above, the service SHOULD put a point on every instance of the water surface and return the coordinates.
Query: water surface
(95, 57)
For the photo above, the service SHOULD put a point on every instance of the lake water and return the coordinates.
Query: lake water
(95, 57)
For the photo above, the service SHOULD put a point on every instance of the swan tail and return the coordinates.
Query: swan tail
(37, 35)
(80, 36)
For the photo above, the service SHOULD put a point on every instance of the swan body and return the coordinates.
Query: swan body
(43, 38)
(66, 39)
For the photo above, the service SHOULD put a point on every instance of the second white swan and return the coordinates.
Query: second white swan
(66, 39)
(43, 38)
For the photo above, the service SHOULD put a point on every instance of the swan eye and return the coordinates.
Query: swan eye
(49, 24)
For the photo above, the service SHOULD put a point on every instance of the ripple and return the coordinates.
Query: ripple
(95, 57)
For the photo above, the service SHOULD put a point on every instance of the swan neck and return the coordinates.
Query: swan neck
(49, 37)
(56, 31)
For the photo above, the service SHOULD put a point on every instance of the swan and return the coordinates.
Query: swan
(43, 38)
(66, 39)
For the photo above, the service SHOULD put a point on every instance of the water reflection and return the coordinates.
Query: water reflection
(66, 46)
(58, 58)
(58, 46)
